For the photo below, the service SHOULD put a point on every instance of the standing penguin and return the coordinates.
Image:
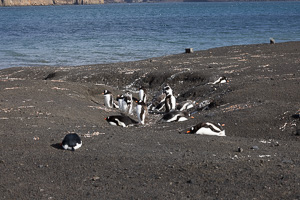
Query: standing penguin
(143, 94)
(71, 142)
(120, 100)
(170, 103)
(207, 128)
(128, 102)
(158, 102)
(141, 111)
(108, 99)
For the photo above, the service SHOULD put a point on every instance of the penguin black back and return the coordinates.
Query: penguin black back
(71, 141)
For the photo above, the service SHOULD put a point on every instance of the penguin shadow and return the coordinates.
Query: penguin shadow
(57, 146)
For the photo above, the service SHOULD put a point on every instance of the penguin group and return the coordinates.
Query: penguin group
(126, 107)
(164, 103)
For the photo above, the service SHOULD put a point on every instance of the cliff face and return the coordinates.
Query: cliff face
(48, 2)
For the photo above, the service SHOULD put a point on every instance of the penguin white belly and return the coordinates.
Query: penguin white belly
(120, 102)
(208, 131)
(120, 123)
(130, 108)
(173, 103)
(138, 112)
(173, 119)
(181, 119)
(141, 95)
(107, 101)
(124, 106)
(78, 145)
(113, 123)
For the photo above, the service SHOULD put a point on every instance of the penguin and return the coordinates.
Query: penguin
(71, 142)
(143, 94)
(175, 116)
(141, 111)
(167, 90)
(127, 105)
(170, 103)
(158, 102)
(120, 100)
(186, 105)
(128, 102)
(207, 128)
(222, 79)
(108, 99)
(120, 120)
(124, 103)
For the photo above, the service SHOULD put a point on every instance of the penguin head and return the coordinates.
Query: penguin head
(192, 130)
(106, 92)
(142, 88)
(128, 100)
(139, 102)
(224, 79)
(167, 90)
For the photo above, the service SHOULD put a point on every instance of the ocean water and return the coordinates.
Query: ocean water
(92, 34)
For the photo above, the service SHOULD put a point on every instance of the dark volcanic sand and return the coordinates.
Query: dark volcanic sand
(39, 105)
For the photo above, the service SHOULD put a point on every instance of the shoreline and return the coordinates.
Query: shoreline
(145, 59)
(40, 105)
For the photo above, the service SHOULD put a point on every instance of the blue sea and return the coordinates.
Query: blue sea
(92, 34)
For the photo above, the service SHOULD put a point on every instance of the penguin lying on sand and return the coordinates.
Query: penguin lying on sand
(120, 120)
(186, 105)
(71, 142)
(222, 79)
(175, 116)
(207, 128)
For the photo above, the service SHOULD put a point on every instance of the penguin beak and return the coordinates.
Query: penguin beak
(102, 93)
(192, 117)
(105, 118)
(223, 125)
(188, 131)
(227, 81)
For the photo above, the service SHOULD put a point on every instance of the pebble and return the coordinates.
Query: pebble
(255, 147)
(287, 161)
(95, 178)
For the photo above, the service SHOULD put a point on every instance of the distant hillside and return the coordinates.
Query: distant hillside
(48, 2)
(86, 2)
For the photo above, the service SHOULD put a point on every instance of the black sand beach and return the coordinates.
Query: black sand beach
(40, 105)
